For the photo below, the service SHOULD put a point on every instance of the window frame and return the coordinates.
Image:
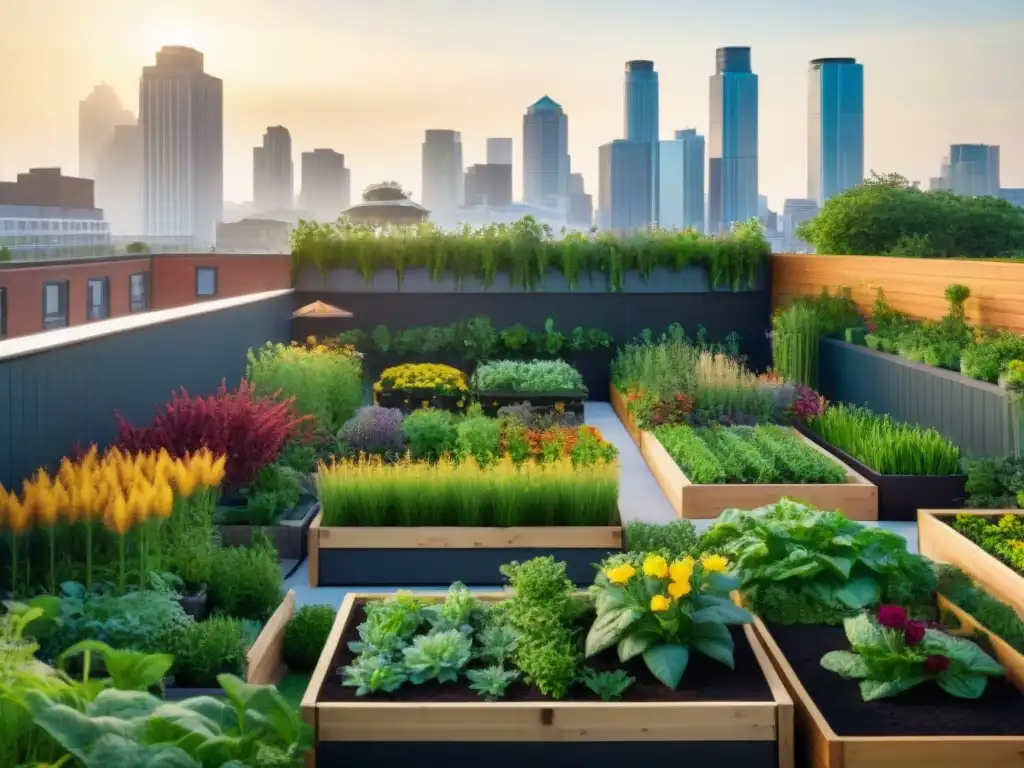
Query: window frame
(132, 305)
(62, 299)
(199, 271)
(104, 303)
(3, 311)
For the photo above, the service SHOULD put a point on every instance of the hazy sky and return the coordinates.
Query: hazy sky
(366, 78)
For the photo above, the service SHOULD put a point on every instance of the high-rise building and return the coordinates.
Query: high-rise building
(835, 128)
(546, 155)
(499, 151)
(98, 114)
(443, 181)
(681, 181)
(274, 172)
(119, 181)
(181, 111)
(326, 184)
(640, 108)
(974, 169)
(581, 205)
(489, 185)
(624, 193)
(794, 213)
(732, 144)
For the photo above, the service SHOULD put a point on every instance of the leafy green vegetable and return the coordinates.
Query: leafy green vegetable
(370, 673)
(492, 682)
(610, 686)
(888, 660)
(440, 656)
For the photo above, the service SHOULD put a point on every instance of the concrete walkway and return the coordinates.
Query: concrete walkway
(640, 498)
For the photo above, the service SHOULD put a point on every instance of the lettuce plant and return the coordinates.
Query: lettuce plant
(372, 673)
(438, 656)
(892, 654)
(492, 682)
(664, 612)
(797, 565)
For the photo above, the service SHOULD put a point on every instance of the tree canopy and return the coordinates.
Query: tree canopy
(888, 216)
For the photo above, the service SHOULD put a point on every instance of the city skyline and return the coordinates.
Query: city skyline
(917, 101)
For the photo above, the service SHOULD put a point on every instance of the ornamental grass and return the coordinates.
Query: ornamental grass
(366, 491)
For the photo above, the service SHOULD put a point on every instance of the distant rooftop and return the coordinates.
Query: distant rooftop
(546, 103)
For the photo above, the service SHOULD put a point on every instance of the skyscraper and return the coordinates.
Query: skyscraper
(443, 182)
(546, 155)
(489, 185)
(273, 172)
(181, 111)
(794, 213)
(499, 151)
(640, 110)
(681, 181)
(974, 169)
(119, 181)
(581, 205)
(732, 145)
(326, 184)
(624, 194)
(835, 130)
(98, 114)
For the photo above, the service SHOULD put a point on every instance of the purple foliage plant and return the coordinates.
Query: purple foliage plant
(374, 430)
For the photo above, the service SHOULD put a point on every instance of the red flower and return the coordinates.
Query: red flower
(936, 663)
(892, 617)
(913, 632)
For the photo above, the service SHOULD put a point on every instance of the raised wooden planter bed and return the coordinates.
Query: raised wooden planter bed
(900, 496)
(396, 556)
(409, 400)
(918, 729)
(265, 661)
(690, 728)
(937, 539)
(570, 402)
(618, 401)
(289, 535)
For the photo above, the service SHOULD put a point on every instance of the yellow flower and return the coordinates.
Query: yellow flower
(656, 566)
(19, 516)
(714, 563)
(620, 574)
(184, 480)
(679, 589)
(682, 570)
(659, 603)
(46, 507)
(116, 517)
(163, 500)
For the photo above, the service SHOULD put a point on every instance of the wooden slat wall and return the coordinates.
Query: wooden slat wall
(913, 286)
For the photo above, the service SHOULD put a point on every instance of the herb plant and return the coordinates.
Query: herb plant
(673, 540)
(374, 430)
(246, 582)
(889, 447)
(666, 612)
(206, 649)
(498, 641)
(994, 483)
(440, 655)
(521, 376)
(1002, 538)
(997, 617)
(492, 682)
(797, 565)
(306, 635)
(894, 654)
(609, 686)
(429, 433)
(373, 674)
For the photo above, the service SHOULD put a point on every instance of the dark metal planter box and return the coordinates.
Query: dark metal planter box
(290, 534)
(409, 400)
(571, 402)
(175, 693)
(900, 496)
(420, 557)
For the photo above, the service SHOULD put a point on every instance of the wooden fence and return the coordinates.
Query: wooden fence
(913, 286)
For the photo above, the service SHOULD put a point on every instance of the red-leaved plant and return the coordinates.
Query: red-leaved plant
(249, 429)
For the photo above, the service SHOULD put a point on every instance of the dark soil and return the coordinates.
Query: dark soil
(926, 710)
(704, 679)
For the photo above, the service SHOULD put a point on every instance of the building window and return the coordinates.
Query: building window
(97, 298)
(55, 305)
(139, 292)
(206, 282)
(3, 312)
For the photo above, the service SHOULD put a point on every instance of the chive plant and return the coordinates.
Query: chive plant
(888, 447)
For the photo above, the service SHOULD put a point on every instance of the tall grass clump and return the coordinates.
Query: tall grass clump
(723, 386)
(889, 447)
(665, 365)
(367, 491)
(326, 383)
(795, 335)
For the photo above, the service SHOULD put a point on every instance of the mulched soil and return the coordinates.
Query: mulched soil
(704, 680)
(926, 710)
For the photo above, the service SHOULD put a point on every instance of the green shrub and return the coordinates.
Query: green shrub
(205, 649)
(275, 490)
(673, 540)
(994, 483)
(478, 437)
(306, 635)
(429, 433)
(246, 582)
(988, 359)
(522, 376)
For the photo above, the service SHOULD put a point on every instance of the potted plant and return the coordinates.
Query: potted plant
(544, 384)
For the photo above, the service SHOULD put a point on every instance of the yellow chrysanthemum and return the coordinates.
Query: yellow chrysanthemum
(660, 603)
(620, 574)
(679, 589)
(682, 570)
(714, 563)
(656, 566)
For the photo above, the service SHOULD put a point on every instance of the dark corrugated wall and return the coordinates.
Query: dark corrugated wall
(59, 397)
(973, 414)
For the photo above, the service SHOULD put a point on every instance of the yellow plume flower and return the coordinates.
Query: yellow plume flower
(137, 504)
(19, 516)
(656, 566)
(116, 517)
(184, 480)
(659, 603)
(163, 500)
(214, 475)
(714, 563)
